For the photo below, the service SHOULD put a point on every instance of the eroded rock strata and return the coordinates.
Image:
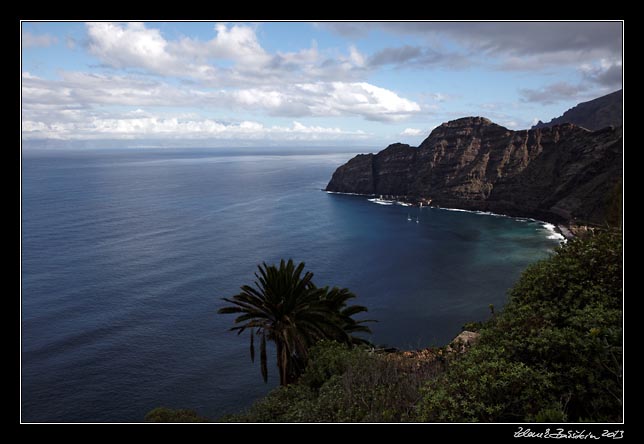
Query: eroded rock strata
(563, 173)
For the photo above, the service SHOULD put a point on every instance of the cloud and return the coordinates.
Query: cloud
(523, 46)
(411, 132)
(395, 55)
(346, 29)
(364, 99)
(416, 56)
(516, 46)
(131, 45)
(238, 43)
(605, 72)
(30, 40)
(76, 90)
(141, 125)
(527, 38)
(553, 93)
(441, 97)
(139, 47)
(509, 37)
(356, 57)
(511, 124)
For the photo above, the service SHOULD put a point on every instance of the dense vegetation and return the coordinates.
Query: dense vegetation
(553, 354)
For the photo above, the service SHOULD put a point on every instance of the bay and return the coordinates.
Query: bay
(126, 255)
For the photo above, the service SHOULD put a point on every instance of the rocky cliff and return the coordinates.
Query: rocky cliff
(559, 174)
(593, 115)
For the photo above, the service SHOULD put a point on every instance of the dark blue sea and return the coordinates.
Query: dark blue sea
(126, 254)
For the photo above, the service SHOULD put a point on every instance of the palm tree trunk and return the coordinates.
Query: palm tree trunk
(281, 361)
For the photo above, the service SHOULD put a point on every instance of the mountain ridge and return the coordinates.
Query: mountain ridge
(561, 174)
(594, 114)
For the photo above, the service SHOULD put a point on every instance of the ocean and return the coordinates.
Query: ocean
(126, 255)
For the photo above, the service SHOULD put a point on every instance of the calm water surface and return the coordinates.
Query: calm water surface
(126, 254)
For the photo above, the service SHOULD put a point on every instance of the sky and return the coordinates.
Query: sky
(188, 84)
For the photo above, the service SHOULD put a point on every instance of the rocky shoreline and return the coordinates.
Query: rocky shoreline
(562, 175)
(567, 231)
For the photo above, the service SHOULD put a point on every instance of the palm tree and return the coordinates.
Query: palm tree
(288, 309)
(337, 299)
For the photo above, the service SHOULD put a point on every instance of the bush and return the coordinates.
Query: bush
(291, 403)
(552, 355)
(163, 414)
(558, 342)
(327, 359)
(343, 385)
(485, 386)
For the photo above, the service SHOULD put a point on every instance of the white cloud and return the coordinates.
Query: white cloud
(131, 45)
(186, 74)
(303, 56)
(411, 132)
(130, 126)
(30, 40)
(28, 75)
(321, 99)
(510, 124)
(356, 57)
(328, 99)
(238, 43)
(369, 101)
(138, 46)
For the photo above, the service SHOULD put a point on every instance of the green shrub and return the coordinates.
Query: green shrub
(473, 326)
(552, 355)
(342, 385)
(485, 386)
(557, 342)
(163, 414)
(564, 316)
(291, 403)
(327, 359)
(551, 414)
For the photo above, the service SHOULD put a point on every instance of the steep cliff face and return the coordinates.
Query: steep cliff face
(560, 173)
(593, 115)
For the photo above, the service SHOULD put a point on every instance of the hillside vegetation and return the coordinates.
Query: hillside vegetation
(553, 354)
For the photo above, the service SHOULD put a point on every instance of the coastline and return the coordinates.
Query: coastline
(558, 230)
(565, 231)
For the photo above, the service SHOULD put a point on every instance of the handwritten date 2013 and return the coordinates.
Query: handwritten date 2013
(568, 434)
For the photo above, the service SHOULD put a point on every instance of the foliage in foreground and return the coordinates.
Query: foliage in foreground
(345, 385)
(552, 355)
(164, 414)
(287, 308)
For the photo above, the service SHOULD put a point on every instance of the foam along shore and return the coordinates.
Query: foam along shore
(386, 200)
(346, 194)
(376, 200)
(389, 202)
(555, 232)
(381, 201)
(558, 232)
